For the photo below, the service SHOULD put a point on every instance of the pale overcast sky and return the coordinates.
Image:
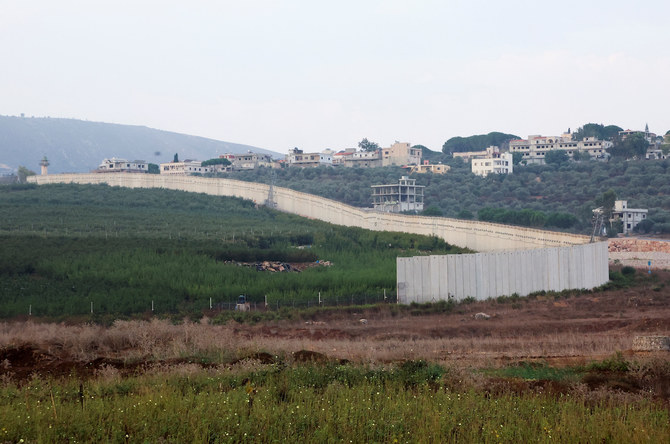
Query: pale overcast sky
(316, 75)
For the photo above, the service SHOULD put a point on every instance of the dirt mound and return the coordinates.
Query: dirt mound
(310, 356)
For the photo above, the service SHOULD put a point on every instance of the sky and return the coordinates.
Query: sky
(316, 75)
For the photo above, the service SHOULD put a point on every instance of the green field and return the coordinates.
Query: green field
(414, 402)
(70, 248)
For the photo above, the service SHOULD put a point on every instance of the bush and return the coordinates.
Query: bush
(628, 271)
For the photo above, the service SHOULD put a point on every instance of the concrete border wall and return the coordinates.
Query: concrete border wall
(489, 275)
(478, 236)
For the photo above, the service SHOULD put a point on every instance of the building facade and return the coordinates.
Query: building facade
(298, 158)
(629, 216)
(406, 195)
(248, 161)
(188, 167)
(123, 166)
(401, 154)
(427, 167)
(495, 162)
(534, 148)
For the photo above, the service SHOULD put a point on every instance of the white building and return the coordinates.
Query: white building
(122, 165)
(629, 216)
(534, 148)
(248, 160)
(186, 168)
(406, 195)
(495, 162)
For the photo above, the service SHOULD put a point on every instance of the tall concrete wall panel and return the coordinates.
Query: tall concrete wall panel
(489, 275)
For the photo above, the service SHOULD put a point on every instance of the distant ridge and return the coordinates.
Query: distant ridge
(79, 146)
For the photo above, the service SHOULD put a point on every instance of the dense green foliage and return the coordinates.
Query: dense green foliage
(572, 188)
(414, 402)
(67, 246)
(476, 143)
(634, 145)
(599, 131)
(216, 161)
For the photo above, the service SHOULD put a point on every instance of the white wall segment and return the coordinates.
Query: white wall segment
(489, 275)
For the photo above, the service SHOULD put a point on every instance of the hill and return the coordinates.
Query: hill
(571, 189)
(79, 146)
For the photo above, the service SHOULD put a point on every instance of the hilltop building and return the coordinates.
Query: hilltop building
(248, 160)
(115, 165)
(400, 154)
(188, 167)
(298, 158)
(494, 162)
(427, 167)
(534, 148)
(629, 216)
(406, 195)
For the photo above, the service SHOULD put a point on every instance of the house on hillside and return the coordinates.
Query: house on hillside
(427, 167)
(115, 165)
(494, 162)
(400, 154)
(249, 161)
(629, 216)
(187, 167)
(406, 195)
(535, 147)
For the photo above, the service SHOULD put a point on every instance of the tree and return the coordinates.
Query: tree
(634, 145)
(556, 157)
(23, 173)
(477, 142)
(366, 145)
(154, 169)
(176, 158)
(432, 211)
(517, 158)
(216, 161)
(578, 156)
(599, 131)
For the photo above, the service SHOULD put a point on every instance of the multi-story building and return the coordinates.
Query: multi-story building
(187, 167)
(467, 155)
(427, 167)
(363, 159)
(406, 195)
(400, 154)
(629, 216)
(534, 148)
(249, 160)
(298, 158)
(495, 162)
(123, 166)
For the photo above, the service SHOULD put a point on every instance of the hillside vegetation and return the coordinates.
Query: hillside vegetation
(66, 247)
(565, 194)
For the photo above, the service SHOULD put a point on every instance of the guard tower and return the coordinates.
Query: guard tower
(406, 195)
(44, 163)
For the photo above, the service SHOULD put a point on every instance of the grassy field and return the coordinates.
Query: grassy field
(71, 249)
(412, 402)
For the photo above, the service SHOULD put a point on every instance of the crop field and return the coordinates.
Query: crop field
(106, 252)
(551, 367)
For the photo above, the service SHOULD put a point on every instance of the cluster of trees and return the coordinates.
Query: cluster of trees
(599, 131)
(216, 161)
(476, 143)
(528, 218)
